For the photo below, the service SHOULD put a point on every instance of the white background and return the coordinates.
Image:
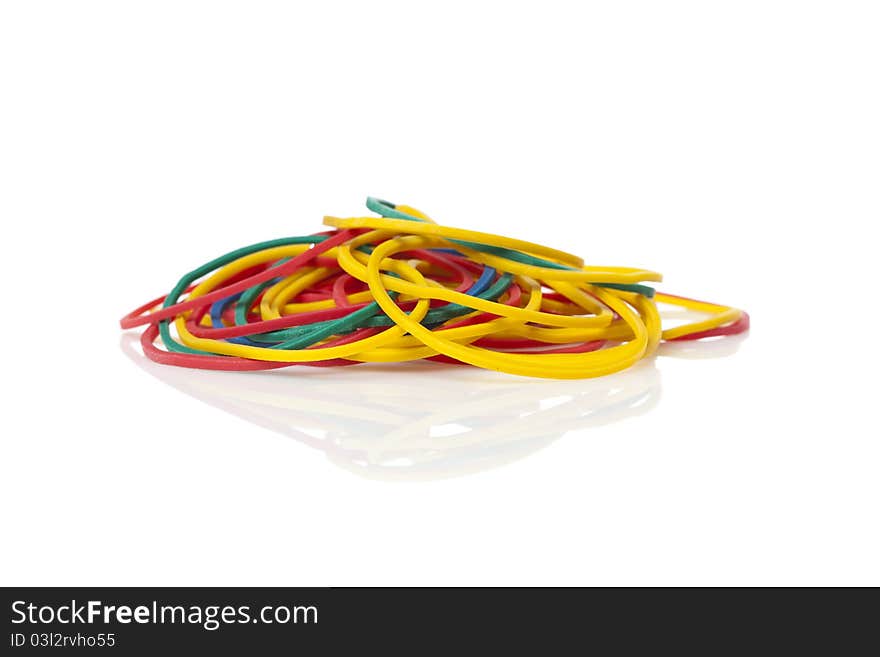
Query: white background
(732, 146)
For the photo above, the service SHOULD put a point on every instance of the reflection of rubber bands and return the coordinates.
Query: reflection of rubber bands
(388, 429)
(399, 287)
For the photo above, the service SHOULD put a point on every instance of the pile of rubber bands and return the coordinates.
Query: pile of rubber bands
(399, 287)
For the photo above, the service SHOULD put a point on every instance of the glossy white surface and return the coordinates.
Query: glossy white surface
(733, 149)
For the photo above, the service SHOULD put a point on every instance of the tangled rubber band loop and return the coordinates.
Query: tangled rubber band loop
(398, 287)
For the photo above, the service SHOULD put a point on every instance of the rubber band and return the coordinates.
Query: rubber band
(399, 287)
